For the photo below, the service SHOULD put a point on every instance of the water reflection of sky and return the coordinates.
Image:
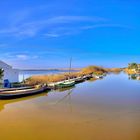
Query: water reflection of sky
(115, 90)
(103, 106)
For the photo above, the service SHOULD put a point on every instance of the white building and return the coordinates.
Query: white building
(9, 73)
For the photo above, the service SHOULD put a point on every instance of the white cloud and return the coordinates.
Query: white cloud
(104, 25)
(25, 57)
(69, 19)
(18, 56)
(22, 56)
(51, 35)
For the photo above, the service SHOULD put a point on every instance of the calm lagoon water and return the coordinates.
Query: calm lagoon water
(107, 109)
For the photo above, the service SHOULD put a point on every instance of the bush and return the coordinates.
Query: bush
(133, 66)
(1, 74)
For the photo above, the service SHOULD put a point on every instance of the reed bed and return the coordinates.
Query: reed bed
(65, 76)
(51, 78)
(93, 70)
(114, 70)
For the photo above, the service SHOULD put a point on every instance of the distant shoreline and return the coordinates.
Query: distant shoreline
(65, 69)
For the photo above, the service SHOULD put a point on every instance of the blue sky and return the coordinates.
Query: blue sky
(46, 33)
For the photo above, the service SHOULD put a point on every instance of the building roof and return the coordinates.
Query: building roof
(4, 65)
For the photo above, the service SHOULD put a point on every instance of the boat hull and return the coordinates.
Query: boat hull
(12, 89)
(87, 77)
(64, 85)
(80, 80)
(22, 94)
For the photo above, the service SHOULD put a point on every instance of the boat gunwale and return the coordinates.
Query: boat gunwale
(25, 93)
(18, 89)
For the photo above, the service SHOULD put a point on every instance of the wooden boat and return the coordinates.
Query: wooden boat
(98, 76)
(66, 84)
(13, 89)
(87, 77)
(79, 80)
(55, 84)
(23, 92)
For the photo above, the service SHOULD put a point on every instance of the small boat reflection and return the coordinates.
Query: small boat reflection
(66, 89)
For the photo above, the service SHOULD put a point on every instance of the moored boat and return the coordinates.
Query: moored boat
(98, 76)
(87, 77)
(79, 80)
(66, 84)
(13, 89)
(51, 85)
(23, 92)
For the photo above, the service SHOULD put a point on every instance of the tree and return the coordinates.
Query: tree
(1, 74)
(133, 66)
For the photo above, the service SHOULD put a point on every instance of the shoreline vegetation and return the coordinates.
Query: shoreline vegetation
(37, 84)
(133, 68)
(90, 70)
(94, 71)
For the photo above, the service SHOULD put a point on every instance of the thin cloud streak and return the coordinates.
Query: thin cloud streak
(106, 25)
(58, 32)
(18, 56)
(52, 27)
(31, 29)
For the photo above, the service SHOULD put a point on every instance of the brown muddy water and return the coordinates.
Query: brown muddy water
(107, 109)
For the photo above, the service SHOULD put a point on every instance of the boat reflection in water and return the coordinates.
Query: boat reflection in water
(66, 89)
